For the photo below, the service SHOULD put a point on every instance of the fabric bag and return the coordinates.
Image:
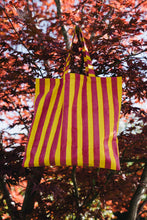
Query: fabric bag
(75, 119)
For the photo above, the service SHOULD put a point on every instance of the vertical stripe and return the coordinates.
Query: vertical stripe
(46, 115)
(119, 91)
(95, 122)
(116, 89)
(85, 122)
(43, 111)
(90, 123)
(50, 116)
(106, 123)
(66, 85)
(79, 123)
(53, 129)
(101, 121)
(111, 122)
(38, 95)
(70, 136)
(37, 89)
(56, 140)
(37, 114)
(58, 154)
(74, 95)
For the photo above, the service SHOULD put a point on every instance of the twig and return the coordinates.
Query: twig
(75, 186)
(64, 32)
(33, 61)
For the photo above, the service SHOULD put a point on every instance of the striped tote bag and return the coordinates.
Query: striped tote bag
(76, 119)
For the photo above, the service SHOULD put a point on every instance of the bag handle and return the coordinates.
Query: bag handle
(87, 60)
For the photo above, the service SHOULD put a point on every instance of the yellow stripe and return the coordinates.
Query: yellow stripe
(53, 130)
(65, 72)
(101, 122)
(119, 93)
(79, 124)
(85, 46)
(36, 122)
(68, 63)
(87, 58)
(85, 49)
(111, 122)
(119, 90)
(58, 149)
(47, 119)
(91, 74)
(90, 123)
(37, 89)
(89, 67)
(69, 127)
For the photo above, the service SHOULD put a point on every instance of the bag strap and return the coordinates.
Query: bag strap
(87, 60)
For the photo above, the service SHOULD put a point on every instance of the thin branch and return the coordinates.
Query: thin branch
(75, 186)
(64, 32)
(139, 4)
(15, 31)
(19, 112)
(88, 202)
(142, 160)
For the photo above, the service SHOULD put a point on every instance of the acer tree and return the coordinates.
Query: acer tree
(35, 38)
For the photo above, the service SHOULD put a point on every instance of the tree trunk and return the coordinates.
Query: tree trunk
(134, 204)
(12, 210)
(31, 193)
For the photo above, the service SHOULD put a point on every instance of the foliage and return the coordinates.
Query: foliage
(34, 41)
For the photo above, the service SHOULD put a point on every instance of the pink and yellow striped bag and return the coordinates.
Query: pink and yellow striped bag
(75, 120)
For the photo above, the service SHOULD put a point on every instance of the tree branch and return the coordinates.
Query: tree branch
(88, 202)
(64, 32)
(132, 212)
(140, 209)
(6, 195)
(15, 31)
(12, 210)
(123, 160)
(75, 185)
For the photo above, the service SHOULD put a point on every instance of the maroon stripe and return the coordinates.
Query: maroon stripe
(91, 71)
(55, 142)
(74, 120)
(106, 123)
(65, 119)
(95, 122)
(67, 67)
(42, 119)
(42, 155)
(85, 122)
(116, 118)
(86, 53)
(41, 92)
(89, 62)
(42, 89)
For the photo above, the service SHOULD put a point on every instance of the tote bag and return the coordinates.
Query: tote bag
(76, 119)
